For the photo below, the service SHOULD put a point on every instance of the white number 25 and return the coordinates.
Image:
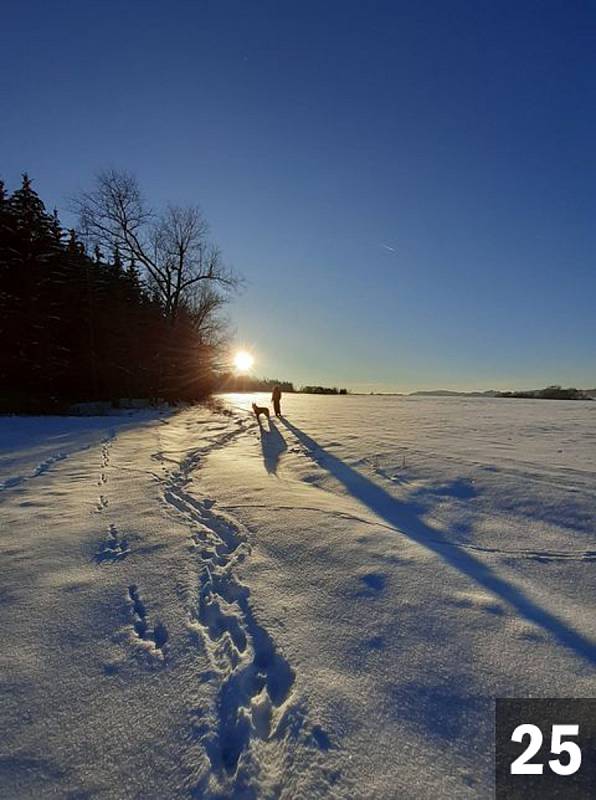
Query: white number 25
(522, 764)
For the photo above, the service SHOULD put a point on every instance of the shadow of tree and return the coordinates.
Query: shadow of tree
(402, 516)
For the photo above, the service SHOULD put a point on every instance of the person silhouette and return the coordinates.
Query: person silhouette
(276, 399)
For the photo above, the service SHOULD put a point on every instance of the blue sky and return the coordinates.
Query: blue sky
(408, 188)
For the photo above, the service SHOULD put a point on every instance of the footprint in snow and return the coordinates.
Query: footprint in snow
(374, 583)
(158, 636)
(114, 548)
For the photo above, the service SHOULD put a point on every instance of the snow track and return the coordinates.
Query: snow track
(157, 636)
(40, 469)
(255, 709)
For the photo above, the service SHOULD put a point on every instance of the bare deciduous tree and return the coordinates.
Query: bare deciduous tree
(173, 247)
(205, 308)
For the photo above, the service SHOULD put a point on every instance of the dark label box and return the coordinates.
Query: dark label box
(545, 749)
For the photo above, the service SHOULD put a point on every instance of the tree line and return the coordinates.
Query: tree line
(127, 305)
(322, 390)
(231, 382)
(554, 392)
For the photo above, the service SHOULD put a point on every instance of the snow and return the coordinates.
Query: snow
(197, 607)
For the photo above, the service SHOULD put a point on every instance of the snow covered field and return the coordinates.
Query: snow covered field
(192, 607)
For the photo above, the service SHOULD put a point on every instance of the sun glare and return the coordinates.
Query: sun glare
(243, 361)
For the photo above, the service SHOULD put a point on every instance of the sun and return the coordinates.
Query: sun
(243, 361)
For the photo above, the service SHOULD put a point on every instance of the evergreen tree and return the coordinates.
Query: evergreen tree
(117, 261)
(77, 327)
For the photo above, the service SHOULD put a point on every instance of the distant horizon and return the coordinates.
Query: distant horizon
(377, 388)
(472, 388)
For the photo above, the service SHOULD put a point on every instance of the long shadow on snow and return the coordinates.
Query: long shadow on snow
(272, 444)
(401, 516)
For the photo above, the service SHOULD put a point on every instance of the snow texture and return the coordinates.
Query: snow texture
(196, 606)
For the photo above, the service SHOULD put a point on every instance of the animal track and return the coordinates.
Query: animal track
(105, 461)
(533, 555)
(105, 453)
(45, 465)
(114, 548)
(40, 469)
(102, 502)
(156, 637)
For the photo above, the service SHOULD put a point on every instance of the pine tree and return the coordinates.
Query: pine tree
(8, 296)
(32, 246)
(117, 261)
(77, 327)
